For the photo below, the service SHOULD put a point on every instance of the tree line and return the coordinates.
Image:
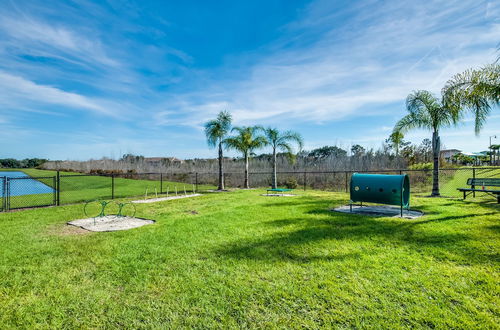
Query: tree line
(24, 163)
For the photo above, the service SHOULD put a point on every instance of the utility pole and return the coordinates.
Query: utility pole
(491, 156)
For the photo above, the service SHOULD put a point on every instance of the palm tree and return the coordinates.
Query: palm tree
(246, 142)
(476, 91)
(427, 112)
(281, 141)
(216, 131)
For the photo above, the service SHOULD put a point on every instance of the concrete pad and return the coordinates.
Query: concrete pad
(379, 211)
(110, 223)
(279, 195)
(160, 199)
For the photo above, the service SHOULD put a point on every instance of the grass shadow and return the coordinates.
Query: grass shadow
(302, 234)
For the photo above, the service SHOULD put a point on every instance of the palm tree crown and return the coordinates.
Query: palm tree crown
(217, 129)
(425, 111)
(246, 141)
(281, 141)
(476, 91)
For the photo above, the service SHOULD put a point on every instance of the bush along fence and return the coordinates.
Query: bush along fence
(59, 189)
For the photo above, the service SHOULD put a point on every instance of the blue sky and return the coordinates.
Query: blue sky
(87, 79)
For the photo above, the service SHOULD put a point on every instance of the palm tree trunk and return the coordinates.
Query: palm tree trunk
(247, 185)
(221, 168)
(274, 179)
(435, 168)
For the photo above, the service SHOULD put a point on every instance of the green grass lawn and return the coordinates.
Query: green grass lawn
(243, 260)
(459, 180)
(84, 188)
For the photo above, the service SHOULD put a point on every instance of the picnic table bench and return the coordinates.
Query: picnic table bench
(278, 190)
(485, 185)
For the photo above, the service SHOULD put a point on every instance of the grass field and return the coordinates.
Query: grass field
(239, 259)
(459, 179)
(84, 188)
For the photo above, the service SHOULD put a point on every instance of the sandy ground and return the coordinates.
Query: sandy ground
(160, 199)
(110, 223)
(379, 211)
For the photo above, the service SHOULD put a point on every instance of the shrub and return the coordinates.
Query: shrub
(421, 166)
(290, 183)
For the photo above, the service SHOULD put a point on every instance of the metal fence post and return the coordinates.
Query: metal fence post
(7, 194)
(196, 180)
(54, 195)
(305, 180)
(112, 186)
(346, 186)
(4, 194)
(473, 187)
(161, 183)
(58, 189)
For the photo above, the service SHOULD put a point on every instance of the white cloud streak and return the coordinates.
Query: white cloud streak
(377, 59)
(17, 93)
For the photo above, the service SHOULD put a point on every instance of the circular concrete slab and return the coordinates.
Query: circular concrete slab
(110, 223)
(279, 195)
(379, 211)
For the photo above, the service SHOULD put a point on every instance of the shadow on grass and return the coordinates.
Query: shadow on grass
(295, 239)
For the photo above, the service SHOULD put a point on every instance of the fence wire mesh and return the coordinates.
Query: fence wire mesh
(25, 192)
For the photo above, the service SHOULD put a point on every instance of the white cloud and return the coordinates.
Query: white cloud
(18, 92)
(391, 50)
(57, 41)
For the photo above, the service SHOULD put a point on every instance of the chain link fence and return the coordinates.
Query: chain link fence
(25, 192)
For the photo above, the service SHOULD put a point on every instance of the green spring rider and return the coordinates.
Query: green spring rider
(101, 208)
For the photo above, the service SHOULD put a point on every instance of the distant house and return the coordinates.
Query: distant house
(448, 154)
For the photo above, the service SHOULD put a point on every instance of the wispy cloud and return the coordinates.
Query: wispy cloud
(336, 72)
(58, 41)
(19, 93)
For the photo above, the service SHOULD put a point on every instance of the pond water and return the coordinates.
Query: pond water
(23, 184)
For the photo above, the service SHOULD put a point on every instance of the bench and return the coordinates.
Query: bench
(485, 185)
(278, 190)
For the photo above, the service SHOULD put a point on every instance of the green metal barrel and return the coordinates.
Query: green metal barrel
(381, 188)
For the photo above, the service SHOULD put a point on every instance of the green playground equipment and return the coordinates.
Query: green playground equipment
(101, 208)
(380, 188)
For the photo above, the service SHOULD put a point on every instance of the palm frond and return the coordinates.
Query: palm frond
(292, 136)
(476, 91)
(217, 129)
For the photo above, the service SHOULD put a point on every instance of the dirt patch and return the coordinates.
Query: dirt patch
(66, 230)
